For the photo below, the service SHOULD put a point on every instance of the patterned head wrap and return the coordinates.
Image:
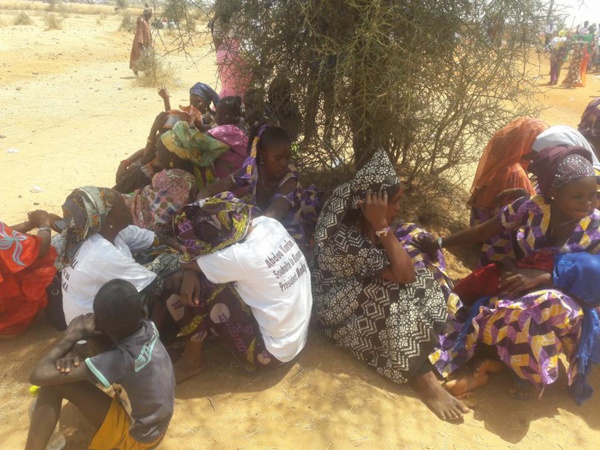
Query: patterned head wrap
(590, 120)
(212, 224)
(85, 211)
(564, 135)
(377, 175)
(190, 144)
(206, 93)
(554, 170)
(573, 167)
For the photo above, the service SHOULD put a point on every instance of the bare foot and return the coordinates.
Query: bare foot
(190, 363)
(185, 369)
(465, 384)
(488, 366)
(522, 390)
(437, 398)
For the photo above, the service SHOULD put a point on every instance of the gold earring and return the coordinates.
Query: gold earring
(171, 164)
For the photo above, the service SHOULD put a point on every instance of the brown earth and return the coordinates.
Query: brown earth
(72, 109)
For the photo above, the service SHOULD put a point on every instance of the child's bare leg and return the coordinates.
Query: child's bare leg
(190, 362)
(488, 366)
(91, 401)
(464, 384)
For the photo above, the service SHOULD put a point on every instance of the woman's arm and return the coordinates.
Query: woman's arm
(401, 269)
(222, 185)
(41, 220)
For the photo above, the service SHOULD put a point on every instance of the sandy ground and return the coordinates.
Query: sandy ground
(72, 110)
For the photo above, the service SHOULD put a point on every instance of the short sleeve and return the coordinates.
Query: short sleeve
(136, 238)
(125, 268)
(514, 215)
(292, 196)
(109, 367)
(222, 266)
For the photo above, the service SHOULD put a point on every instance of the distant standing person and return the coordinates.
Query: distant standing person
(142, 39)
(550, 31)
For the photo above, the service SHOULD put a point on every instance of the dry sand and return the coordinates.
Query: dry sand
(70, 106)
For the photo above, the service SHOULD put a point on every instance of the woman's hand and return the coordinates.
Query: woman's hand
(427, 244)
(515, 282)
(374, 208)
(39, 218)
(190, 288)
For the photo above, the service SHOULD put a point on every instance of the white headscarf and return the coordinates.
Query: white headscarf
(564, 135)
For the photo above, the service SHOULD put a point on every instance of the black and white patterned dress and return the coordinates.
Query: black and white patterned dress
(387, 325)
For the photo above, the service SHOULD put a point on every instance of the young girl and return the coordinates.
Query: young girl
(269, 181)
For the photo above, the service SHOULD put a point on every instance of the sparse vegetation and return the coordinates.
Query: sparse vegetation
(128, 23)
(154, 71)
(22, 19)
(53, 22)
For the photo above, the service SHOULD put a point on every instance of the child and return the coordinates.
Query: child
(138, 362)
(272, 184)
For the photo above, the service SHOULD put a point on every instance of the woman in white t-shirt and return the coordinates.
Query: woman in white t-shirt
(97, 245)
(246, 280)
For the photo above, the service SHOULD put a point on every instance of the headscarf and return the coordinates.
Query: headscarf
(553, 162)
(590, 120)
(85, 211)
(190, 144)
(504, 150)
(577, 274)
(564, 135)
(377, 175)
(206, 93)
(212, 224)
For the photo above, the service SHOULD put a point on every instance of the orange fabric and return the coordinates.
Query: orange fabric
(114, 432)
(501, 166)
(23, 279)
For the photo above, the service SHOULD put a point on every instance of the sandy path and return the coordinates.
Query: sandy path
(72, 111)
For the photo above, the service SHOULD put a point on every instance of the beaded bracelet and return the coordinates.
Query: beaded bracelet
(382, 232)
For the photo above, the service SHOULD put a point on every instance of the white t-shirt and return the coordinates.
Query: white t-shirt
(273, 279)
(97, 262)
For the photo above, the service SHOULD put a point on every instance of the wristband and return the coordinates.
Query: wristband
(439, 242)
(44, 229)
(382, 232)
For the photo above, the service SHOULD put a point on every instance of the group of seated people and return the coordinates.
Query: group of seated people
(209, 232)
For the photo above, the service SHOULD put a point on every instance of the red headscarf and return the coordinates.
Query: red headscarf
(499, 167)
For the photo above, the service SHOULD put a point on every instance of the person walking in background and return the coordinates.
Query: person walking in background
(142, 40)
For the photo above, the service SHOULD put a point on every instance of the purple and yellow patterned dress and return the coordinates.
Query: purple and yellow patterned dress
(529, 332)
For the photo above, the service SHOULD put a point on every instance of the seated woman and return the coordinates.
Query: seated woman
(500, 178)
(529, 323)
(248, 281)
(136, 171)
(230, 129)
(184, 155)
(369, 297)
(271, 184)
(26, 270)
(97, 245)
